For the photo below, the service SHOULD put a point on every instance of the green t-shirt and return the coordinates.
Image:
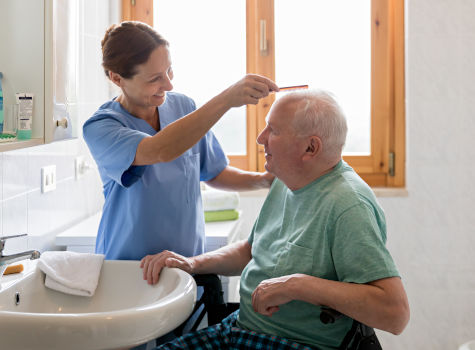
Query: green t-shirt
(333, 228)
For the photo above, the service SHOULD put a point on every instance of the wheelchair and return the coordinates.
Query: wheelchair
(359, 337)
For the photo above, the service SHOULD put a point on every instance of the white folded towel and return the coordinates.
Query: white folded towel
(70, 272)
(214, 200)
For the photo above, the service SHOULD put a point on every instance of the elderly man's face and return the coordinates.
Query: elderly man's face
(282, 147)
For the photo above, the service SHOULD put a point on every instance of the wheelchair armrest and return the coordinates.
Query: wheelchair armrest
(212, 289)
(328, 315)
(359, 337)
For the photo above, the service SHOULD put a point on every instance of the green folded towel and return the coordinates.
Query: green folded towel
(221, 215)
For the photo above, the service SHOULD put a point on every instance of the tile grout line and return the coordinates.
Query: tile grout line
(33, 190)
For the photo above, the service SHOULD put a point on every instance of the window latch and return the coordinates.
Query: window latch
(391, 163)
(263, 38)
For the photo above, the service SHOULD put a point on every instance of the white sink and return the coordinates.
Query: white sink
(125, 311)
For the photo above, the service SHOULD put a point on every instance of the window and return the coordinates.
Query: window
(312, 47)
(355, 49)
(208, 56)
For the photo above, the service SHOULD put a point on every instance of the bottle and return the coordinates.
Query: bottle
(25, 115)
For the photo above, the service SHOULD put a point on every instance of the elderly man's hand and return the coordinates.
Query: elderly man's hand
(271, 293)
(152, 265)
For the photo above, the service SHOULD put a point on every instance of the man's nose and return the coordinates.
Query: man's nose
(261, 139)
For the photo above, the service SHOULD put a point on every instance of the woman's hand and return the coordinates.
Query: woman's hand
(152, 265)
(249, 90)
(267, 179)
(234, 179)
(271, 293)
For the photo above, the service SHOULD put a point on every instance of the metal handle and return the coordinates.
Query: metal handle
(14, 236)
(263, 38)
(4, 238)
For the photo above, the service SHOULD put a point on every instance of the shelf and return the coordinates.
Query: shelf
(10, 146)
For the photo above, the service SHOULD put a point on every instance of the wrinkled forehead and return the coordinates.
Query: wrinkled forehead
(283, 110)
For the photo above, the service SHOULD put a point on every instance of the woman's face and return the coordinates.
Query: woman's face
(148, 87)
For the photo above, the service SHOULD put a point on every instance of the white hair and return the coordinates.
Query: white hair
(319, 114)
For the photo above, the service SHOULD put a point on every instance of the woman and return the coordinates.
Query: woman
(153, 148)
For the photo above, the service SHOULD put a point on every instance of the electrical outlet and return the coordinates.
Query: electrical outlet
(79, 167)
(48, 178)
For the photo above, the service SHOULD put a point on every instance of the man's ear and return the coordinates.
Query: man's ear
(116, 78)
(314, 148)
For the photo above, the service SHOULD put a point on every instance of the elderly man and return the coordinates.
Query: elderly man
(319, 240)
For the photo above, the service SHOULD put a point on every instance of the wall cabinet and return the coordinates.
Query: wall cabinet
(38, 54)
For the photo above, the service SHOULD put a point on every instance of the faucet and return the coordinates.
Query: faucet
(5, 260)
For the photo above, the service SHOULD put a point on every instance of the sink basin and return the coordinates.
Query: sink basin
(125, 311)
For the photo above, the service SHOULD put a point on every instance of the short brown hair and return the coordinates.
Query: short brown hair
(127, 45)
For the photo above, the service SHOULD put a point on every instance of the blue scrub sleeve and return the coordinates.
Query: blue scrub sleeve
(212, 157)
(113, 147)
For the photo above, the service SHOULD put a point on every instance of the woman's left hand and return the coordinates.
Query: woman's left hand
(271, 293)
(249, 90)
(268, 178)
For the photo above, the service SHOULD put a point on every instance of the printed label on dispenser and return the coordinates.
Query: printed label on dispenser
(25, 115)
(25, 111)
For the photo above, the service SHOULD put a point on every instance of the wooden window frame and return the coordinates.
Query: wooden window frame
(385, 166)
(138, 10)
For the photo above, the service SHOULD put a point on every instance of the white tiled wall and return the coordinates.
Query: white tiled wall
(432, 232)
(24, 209)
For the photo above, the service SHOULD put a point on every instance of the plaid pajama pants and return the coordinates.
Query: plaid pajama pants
(226, 335)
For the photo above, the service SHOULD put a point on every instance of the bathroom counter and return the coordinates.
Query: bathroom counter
(81, 238)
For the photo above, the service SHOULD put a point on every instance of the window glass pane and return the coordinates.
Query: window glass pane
(208, 50)
(327, 44)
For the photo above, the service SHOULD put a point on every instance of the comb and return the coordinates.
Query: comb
(294, 87)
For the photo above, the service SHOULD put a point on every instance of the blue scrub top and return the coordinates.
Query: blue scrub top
(155, 207)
